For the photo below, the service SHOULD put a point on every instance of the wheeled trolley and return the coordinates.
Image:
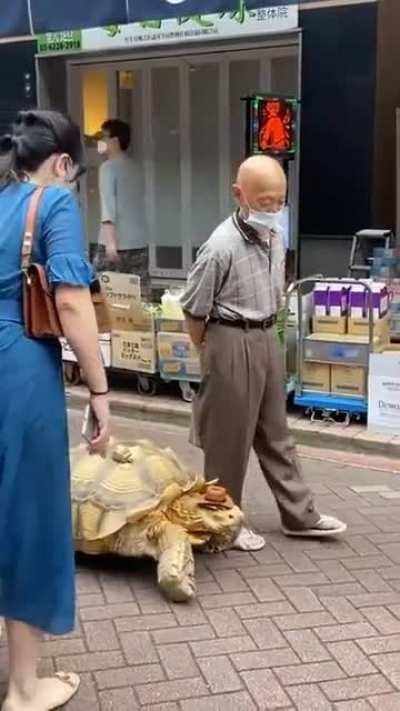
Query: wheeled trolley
(326, 349)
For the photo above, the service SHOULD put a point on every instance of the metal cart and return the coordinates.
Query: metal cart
(352, 353)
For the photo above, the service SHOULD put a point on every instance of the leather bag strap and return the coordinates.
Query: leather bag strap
(30, 226)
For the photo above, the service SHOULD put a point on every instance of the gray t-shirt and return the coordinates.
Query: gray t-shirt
(121, 201)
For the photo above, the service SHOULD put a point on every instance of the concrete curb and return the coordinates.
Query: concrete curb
(320, 435)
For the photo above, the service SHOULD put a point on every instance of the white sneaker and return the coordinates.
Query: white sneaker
(325, 527)
(247, 540)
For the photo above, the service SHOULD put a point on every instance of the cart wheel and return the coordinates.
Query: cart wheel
(146, 386)
(187, 392)
(72, 373)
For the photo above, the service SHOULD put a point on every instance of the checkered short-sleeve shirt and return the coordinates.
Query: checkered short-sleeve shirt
(236, 275)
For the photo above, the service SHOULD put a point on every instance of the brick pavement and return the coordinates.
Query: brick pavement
(301, 625)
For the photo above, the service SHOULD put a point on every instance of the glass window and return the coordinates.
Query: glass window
(166, 162)
(205, 151)
(94, 99)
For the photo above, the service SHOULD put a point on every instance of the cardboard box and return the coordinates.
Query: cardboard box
(170, 325)
(121, 288)
(176, 369)
(330, 324)
(173, 346)
(134, 350)
(384, 393)
(317, 377)
(360, 301)
(105, 347)
(360, 327)
(348, 380)
(131, 318)
(341, 349)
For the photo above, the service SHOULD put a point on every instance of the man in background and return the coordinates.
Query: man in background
(122, 238)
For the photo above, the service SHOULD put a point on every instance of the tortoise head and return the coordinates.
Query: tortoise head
(210, 516)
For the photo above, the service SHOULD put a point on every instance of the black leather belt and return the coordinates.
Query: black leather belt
(245, 324)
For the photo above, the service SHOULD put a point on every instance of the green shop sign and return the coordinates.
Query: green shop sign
(59, 42)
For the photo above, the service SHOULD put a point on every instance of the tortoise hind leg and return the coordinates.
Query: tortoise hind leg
(176, 575)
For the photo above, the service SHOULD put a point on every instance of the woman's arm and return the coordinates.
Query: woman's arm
(78, 320)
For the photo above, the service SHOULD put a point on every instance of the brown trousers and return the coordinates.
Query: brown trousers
(241, 403)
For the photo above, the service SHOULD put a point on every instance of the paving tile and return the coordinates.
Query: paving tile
(108, 612)
(308, 697)
(301, 580)
(385, 702)
(171, 691)
(265, 633)
(214, 602)
(118, 700)
(335, 571)
(304, 620)
(266, 689)
(139, 648)
(230, 581)
(380, 645)
(357, 688)
(86, 699)
(265, 590)
(303, 599)
(372, 581)
(101, 636)
(351, 658)
(264, 659)
(145, 623)
(189, 614)
(226, 622)
(382, 620)
(341, 609)
(264, 609)
(354, 705)
(224, 702)
(90, 662)
(178, 661)
(338, 633)
(309, 673)
(365, 562)
(220, 675)
(183, 634)
(229, 645)
(307, 646)
(128, 676)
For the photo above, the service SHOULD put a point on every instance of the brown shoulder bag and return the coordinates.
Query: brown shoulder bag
(39, 308)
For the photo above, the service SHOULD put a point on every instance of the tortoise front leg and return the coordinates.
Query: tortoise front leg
(175, 563)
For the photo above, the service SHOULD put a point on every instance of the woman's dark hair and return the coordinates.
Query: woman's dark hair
(118, 129)
(35, 136)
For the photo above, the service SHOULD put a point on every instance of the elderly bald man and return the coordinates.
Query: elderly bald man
(233, 294)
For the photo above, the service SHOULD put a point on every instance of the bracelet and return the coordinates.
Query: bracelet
(97, 394)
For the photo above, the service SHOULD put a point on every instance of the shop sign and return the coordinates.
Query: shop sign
(59, 42)
(224, 25)
(384, 392)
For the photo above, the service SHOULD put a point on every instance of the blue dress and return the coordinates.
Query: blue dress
(36, 550)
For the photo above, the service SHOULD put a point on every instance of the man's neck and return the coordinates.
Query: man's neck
(115, 153)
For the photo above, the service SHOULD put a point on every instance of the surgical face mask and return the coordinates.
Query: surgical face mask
(102, 147)
(262, 221)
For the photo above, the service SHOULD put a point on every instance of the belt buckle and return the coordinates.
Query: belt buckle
(265, 324)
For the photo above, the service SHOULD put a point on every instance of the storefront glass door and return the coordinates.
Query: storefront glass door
(188, 136)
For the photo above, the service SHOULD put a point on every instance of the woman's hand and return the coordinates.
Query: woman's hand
(101, 409)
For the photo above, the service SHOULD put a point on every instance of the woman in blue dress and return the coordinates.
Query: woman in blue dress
(36, 552)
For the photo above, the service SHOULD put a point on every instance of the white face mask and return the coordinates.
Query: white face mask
(102, 147)
(262, 221)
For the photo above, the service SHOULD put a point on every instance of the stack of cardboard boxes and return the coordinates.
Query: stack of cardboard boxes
(336, 354)
(133, 339)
